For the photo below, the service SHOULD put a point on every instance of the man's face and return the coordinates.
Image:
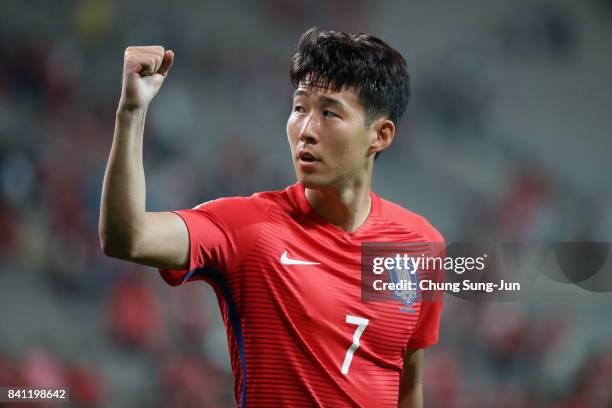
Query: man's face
(329, 141)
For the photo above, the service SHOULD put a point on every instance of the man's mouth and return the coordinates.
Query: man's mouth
(307, 157)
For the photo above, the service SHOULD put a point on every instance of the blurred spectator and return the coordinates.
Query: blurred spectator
(188, 380)
(524, 212)
(41, 369)
(133, 313)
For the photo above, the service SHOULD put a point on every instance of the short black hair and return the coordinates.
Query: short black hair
(335, 60)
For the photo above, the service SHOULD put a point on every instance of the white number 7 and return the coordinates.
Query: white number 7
(362, 323)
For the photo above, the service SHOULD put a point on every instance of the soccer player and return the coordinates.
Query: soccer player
(285, 265)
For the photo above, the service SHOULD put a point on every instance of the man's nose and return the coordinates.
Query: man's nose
(309, 133)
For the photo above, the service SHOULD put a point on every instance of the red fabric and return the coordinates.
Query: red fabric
(292, 319)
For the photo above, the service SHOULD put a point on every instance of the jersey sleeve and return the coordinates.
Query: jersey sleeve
(427, 331)
(221, 232)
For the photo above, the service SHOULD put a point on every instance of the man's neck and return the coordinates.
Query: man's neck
(348, 208)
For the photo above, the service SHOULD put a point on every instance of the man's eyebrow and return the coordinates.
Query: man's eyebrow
(300, 92)
(326, 99)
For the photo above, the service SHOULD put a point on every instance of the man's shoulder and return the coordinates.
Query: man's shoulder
(256, 203)
(272, 197)
(397, 214)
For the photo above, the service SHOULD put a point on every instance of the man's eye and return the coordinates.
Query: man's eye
(299, 109)
(329, 114)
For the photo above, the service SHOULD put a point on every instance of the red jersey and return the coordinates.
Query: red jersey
(288, 286)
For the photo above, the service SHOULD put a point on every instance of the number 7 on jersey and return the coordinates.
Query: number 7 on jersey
(361, 326)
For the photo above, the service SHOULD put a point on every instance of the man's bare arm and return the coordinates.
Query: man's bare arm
(127, 231)
(411, 383)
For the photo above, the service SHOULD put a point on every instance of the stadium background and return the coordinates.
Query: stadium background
(507, 137)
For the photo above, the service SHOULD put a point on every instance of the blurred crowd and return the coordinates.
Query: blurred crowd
(467, 157)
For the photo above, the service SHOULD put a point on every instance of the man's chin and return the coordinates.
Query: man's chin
(311, 181)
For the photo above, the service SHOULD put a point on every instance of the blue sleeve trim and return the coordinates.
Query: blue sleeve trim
(234, 317)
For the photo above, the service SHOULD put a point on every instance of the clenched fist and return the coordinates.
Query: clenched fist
(144, 71)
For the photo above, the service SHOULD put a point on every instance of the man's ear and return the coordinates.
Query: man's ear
(383, 132)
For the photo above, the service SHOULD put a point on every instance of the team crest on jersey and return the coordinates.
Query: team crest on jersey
(409, 295)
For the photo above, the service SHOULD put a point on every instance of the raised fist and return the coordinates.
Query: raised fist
(144, 71)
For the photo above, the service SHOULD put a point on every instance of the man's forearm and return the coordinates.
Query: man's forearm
(412, 396)
(411, 383)
(122, 209)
